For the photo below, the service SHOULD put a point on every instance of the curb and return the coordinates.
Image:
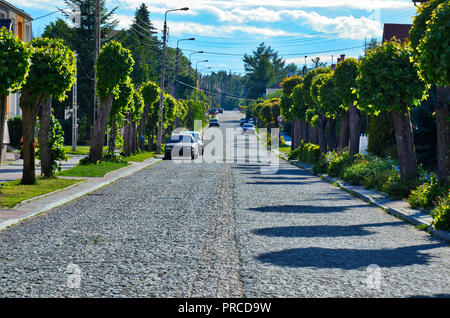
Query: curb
(46, 207)
(418, 221)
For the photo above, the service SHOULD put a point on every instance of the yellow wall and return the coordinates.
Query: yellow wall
(19, 27)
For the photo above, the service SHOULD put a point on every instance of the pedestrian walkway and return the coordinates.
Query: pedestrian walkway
(12, 170)
(49, 201)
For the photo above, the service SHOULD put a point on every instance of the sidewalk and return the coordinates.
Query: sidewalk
(397, 208)
(52, 200)
(12, 170)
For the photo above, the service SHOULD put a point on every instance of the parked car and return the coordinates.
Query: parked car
(248, 129)
(198, 139)
(220, 110)
(181, 144)
(214, 122)
(212, 111)
(251, 120)
(243, 121)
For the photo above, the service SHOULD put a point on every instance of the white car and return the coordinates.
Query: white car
(181, 145)
(198, 139)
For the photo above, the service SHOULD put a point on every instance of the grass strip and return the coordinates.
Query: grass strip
(139, 157)
(12, 193)
(92, 170)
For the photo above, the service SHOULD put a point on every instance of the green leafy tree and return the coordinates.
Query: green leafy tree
(287, 86)
(55, 145)
(150, 92)
(389, 82)
(114, 66)
(330, 105)
(310, 113)
(119, 110)
(319, 110)
(264, 68)
(346, 73)
(14, 65)
(51, 75)
(430, 38)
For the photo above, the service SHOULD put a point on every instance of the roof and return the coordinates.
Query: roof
(14, 8)
(400, 31)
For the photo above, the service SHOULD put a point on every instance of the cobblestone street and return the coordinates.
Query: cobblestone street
(221, 230)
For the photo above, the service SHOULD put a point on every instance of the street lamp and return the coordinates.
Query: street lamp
(190, 54)
(177, 64)
(196, 80)
(163, 69)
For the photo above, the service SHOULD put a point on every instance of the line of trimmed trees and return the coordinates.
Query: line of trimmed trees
(45, 69)
(392, 78)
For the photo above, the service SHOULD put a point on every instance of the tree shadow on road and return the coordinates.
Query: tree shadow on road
(322, 230)
(288, 208)
(320, 257)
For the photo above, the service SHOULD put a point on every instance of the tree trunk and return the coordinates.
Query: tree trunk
(29, 112)
(331, 133)
(344, 132)
(322, 134)
(142, 126)
(292, 135)
(99, 131)
(405, 145)
(133, 137)
(112, 137)
(44, 138)
(297, 133)
(312, 132)
(354, 123)
(127, 139)
(443, 134)
(305, 137)
(2, 122)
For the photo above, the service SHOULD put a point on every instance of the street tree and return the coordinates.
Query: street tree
(287, 86)
(119, 110)
(14, 65)
(345, 75)
(51, 75)
(317, 108)
(389, 82)
(430, 38)
(330, 105)
(311, 115)
(114, 66)
(150, 94)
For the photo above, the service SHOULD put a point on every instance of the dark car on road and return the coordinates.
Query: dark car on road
(243, 121)
(220, 110)
(214, 122)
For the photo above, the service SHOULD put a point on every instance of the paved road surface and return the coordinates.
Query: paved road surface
(219, 230)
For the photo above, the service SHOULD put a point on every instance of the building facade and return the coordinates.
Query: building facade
(21, 24)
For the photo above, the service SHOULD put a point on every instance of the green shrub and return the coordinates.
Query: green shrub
(369, 171)
(15, 131)
(441, 214)
(396, 188)
(306, 152)
(426, 194)
(382, 135)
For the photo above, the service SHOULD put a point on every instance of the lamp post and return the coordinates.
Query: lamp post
(190, 54)
(177, 64)
(196, 80)
(163, 69)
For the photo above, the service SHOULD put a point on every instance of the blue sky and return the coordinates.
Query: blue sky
(229, 29)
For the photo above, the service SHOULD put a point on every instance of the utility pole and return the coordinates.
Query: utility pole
(97, 52)
(161, 98)
(163, 71)
(74, 109)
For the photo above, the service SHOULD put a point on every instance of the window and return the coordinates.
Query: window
(3, 14)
